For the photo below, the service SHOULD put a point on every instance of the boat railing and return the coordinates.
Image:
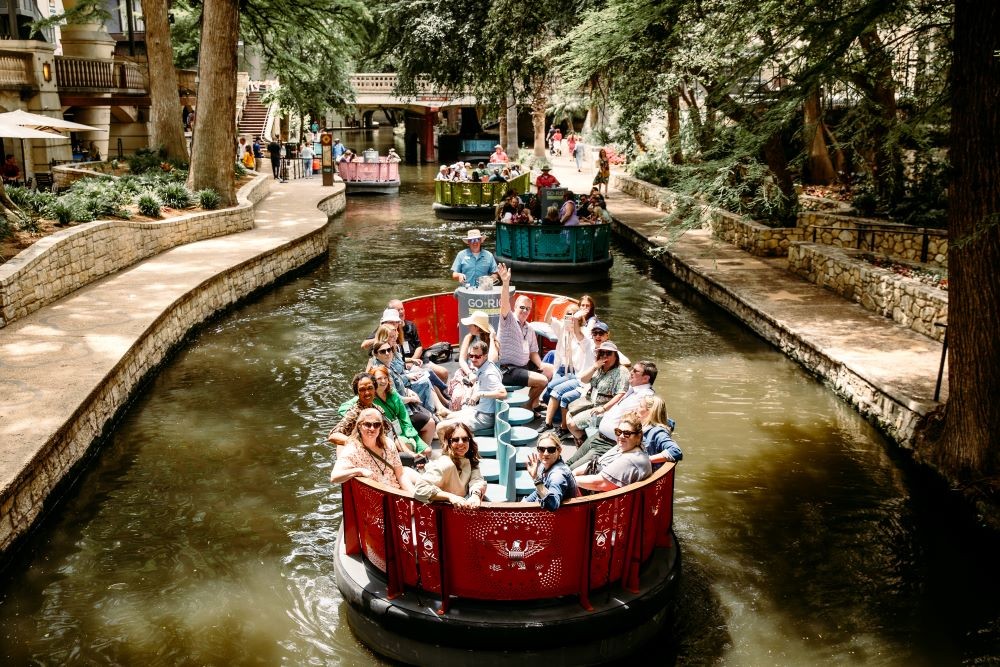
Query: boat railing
(382, 171)
(541, 243)
(458, 193)
(509, 551)
(478, 146)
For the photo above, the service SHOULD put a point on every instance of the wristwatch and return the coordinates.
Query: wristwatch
(538, 480)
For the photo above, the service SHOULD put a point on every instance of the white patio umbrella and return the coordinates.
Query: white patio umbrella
(9, 131)
(41, 122)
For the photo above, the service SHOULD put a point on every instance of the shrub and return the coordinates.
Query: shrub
(149, 205)
(209, 199)
(60, 210)
(6, 229)
(174, 195)
(146, 159)
(239, 170)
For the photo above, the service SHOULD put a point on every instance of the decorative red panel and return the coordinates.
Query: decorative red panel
(371, 525)
(609, 540)
(508, 554)
(418, 543)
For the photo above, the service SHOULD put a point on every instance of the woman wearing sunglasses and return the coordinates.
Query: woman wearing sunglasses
(454, 476)
(369, 454)
(386, 352)
(412, 440)
(554, 481)
(464, 379)
(625, 463)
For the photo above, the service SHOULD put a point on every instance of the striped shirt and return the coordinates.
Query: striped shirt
(517, 341)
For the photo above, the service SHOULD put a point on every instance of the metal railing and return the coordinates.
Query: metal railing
(458, 193)
(865, 235)
(556, 243)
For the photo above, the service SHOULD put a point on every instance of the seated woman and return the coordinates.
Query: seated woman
(625, 463)
(363, 386)
(554, 481)
(455, 475)
(551, 216)
(394, 409)
(656, 432)
(463, 380)
(369, 454)
(567, 213)
(414, 379)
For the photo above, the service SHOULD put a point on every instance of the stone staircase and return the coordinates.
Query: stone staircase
(254, 115)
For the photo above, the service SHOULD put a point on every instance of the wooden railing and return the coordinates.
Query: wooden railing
(95, 74)
(15, 70)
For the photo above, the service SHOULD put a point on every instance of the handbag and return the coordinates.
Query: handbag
(438, 353)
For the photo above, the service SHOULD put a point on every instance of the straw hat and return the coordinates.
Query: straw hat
(473, 234)
(480, 319)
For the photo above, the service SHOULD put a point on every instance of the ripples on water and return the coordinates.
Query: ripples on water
(203, 533)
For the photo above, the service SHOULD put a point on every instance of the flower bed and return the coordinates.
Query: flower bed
(932, 277)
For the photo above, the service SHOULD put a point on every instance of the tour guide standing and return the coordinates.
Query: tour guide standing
(473, 262)
(338, 150)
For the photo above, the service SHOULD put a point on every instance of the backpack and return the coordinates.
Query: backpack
(438, 353)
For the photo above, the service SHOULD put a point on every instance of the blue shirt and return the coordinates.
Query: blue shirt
(560, 484)
(474, 267)
(490, 380)
(338, 150)
(657, 440)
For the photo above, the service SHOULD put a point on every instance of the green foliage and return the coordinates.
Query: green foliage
(185, 33)
(239, 171)
(149, 205)
(63, 211)
(209, 199)
(154, 159)
(174, 195)
(6, 229)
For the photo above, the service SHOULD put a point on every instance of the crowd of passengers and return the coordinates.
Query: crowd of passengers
(402, 402)
(587, 209)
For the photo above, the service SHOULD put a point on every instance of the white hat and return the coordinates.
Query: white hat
(473, 234)
(390, 315)
(480, 319)
(498, 146)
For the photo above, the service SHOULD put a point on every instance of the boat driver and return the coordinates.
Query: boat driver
(473, 262)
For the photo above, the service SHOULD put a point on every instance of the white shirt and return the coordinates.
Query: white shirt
(629, 402)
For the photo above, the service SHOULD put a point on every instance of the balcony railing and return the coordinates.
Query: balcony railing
(100, 75)
(15, 70)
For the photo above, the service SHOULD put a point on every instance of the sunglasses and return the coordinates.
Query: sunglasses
(546, 450)
(371, 424)
(524, 308)
(639, 371)
(628, 434)
(598, 332)
(605, 353)
(475, 356)
(385, 350)
(473, 240)
(458, 439)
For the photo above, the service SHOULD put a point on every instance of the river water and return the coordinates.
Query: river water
(202, 533)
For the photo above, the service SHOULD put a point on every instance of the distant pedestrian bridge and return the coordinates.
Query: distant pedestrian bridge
(378, 91)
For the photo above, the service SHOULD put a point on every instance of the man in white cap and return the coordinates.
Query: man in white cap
(473, 262)
(498, 155)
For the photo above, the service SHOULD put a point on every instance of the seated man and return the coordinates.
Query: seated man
(480, 406)
(641, 379)
(519, 360)
(11, 171)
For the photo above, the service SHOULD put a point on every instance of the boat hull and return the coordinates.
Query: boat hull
(560, 632)
(558, 272)
(463, 212)
(372, 187)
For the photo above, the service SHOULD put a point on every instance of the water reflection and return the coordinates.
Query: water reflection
(203, 533)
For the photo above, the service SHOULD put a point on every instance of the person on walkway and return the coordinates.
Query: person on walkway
(519, 359)
(603, 166)
(473, 262)
(546, 179)
(554, 481)
(641, 379)
(258, 151)
(248, 160)
(557, 138)
(455, 476)
(579, 152)
(480, 406)
(368, 453)
(274, 152)
(623, 464)
(241, 148)
(498, 155)
(307, 156)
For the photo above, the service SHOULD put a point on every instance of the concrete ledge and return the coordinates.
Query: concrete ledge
(70, 259)
(845, 272)
(895, 412)
(75, 408)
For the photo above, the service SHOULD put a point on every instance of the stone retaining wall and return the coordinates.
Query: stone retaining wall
(764, 241)
(748, 235)
(905, 300)
(69, 259)
(23, 500)
(887, 242)
(896, 415)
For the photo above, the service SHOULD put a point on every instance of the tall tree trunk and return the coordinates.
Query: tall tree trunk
(503, 129)
(819, 167)
(166, 119)
(538, 103)
(213, 153)
(512, 141)
(694, 117)
(970, 443)
(888, 162)
(674, 125)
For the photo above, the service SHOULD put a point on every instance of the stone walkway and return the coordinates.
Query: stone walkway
(868, 359)
(63, 364)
